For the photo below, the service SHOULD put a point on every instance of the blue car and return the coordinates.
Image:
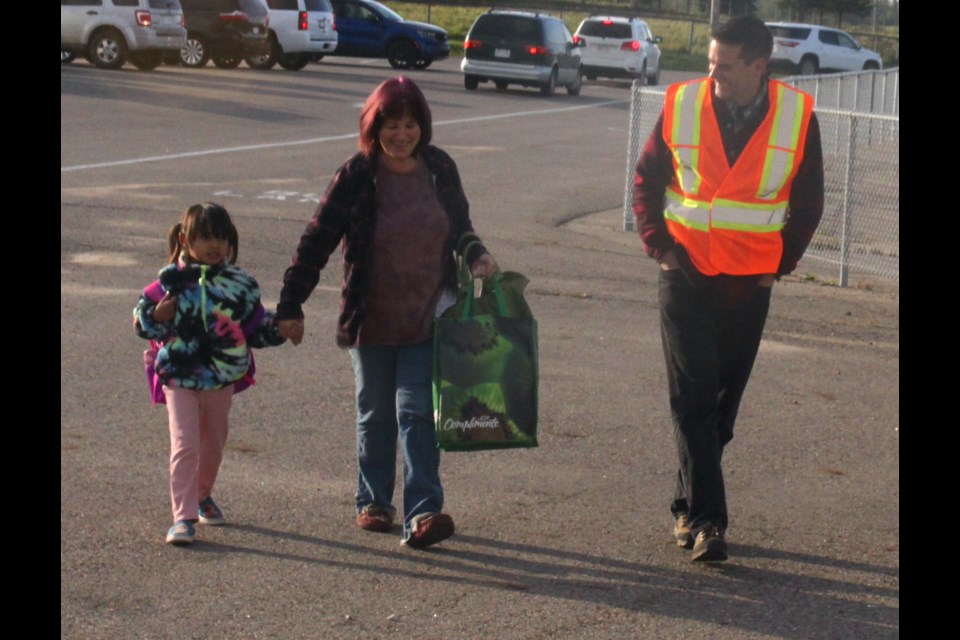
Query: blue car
(367, 29)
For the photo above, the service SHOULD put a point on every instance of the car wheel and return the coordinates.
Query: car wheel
(66, 57)
(194, 53)
(470, 83)
(642, 76)
(294, 61)
(870, 65)
(653, 79)
(591, 77)
(402, 54)
(267, 60)
(227, 62)
(171, 58)
(574, 89)
(501, 84)
(146, 60)
(548, 88)
(422, 64)
(808, 66)
(107, 49)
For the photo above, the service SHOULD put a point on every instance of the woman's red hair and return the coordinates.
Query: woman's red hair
(394, 98)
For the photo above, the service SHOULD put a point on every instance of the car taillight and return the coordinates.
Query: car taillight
(333, 23)
(183, 21)
(607, 23)
(472, 44)
(633, 45)
(144, 19)
(535, 50)
(303, 21)
(576, 39)
(790, 44)
(235, 16)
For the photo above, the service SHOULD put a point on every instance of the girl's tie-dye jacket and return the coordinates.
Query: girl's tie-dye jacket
(218, 319)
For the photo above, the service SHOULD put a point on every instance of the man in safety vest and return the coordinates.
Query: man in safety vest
(727, 195)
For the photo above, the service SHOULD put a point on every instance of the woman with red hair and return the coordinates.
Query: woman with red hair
(398, 209)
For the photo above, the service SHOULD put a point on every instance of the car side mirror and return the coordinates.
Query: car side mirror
(657, 40)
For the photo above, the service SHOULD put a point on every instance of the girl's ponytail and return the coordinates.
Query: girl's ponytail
(174, 245)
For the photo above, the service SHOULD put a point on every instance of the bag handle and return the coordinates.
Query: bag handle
(466, 285)
(497, 292)
(464, 276)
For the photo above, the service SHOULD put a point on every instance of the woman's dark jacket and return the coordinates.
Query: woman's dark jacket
(347, 214)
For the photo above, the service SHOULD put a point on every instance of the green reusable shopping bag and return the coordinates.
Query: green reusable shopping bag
(485, 373)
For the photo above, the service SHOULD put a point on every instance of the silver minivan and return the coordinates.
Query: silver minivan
(300, 30)
(519, 47)
(110, 32)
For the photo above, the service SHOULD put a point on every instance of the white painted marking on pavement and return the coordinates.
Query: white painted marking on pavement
(346, 136)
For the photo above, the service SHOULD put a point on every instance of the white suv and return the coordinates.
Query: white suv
(808, 49)
(110, 32)
(618, 47)
(300, 30)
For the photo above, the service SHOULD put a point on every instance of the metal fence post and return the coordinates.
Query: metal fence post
(633, 154)
(846, 232)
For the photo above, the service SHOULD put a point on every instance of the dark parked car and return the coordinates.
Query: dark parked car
(367, 29)
(225, 31)
(517, 47)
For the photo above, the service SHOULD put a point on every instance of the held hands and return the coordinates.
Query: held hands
(484, 266)
(292, 330)
(166, 309)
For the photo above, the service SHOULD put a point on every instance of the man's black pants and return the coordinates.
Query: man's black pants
(711, 329)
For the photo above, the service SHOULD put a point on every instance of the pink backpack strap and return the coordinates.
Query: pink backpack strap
(154, 291)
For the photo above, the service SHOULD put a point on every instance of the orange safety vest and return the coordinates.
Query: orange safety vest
(729, 218)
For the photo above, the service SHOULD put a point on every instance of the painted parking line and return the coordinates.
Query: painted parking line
(321, 140)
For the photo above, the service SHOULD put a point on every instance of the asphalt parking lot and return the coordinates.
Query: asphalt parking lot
(570, 540)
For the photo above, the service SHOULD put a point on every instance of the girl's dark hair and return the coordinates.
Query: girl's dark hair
(204, 220)
(394, 98)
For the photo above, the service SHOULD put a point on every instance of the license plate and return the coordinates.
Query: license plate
(501, 53)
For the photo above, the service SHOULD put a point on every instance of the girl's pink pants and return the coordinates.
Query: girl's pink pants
(198, 433)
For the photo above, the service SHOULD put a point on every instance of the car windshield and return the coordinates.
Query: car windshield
(795, 33)
(601, 29)
(318, 5)
(385, 12)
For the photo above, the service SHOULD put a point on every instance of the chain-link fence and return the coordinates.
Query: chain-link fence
(876, 92)
(860, 230)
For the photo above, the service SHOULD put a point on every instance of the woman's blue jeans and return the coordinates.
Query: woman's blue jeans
(395, 397)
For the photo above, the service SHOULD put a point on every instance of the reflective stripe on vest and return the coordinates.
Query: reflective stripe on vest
(784, 140)
(726, 214)
(686, 141)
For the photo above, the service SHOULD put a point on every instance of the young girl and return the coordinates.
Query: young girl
(202, 316)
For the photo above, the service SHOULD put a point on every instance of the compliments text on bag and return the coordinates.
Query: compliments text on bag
(478, 422)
